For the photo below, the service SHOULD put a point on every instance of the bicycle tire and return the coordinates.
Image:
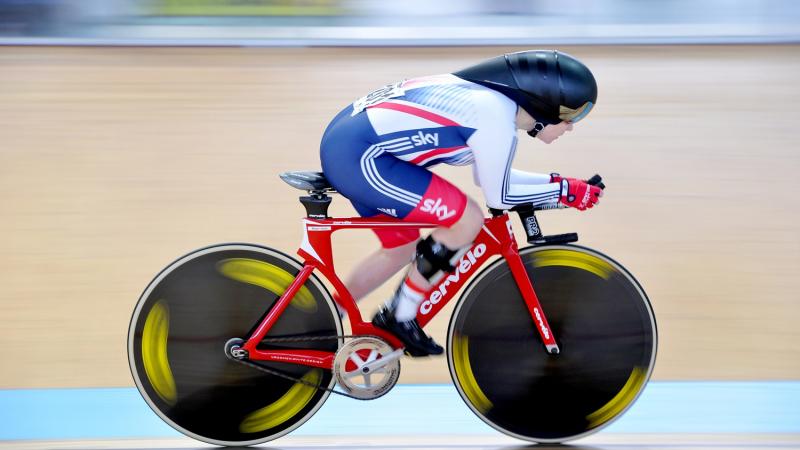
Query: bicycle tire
(604, 325)
(178, 332)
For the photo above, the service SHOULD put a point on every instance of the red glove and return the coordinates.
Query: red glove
(577, 193)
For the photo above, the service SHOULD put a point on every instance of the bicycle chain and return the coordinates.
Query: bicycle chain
(280, 374)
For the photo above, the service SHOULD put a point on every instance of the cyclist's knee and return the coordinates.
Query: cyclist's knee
(402, 252)
(472, 219)
(433, 257)
(464, 230)
(434, 253)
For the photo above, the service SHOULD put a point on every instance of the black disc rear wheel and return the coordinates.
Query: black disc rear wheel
(602, 322)
(177, 337)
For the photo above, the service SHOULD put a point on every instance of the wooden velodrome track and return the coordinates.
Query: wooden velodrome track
(114, 161)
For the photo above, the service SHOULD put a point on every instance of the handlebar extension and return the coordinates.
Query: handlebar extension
(527, 215)
(596, 180)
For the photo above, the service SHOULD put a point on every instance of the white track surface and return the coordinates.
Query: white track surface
(598, 442)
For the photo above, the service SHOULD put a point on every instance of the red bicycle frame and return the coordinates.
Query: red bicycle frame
(495, 238)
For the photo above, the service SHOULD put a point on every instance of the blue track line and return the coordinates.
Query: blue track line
(664, 407)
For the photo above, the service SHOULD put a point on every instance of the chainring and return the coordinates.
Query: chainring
(350, 367)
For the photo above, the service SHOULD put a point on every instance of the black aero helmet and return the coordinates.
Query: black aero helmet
(550, 85)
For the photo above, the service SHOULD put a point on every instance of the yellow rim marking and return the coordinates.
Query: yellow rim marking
(154, 353)
(269, 277)
(465, 376)
(575, 259)
(623, 398)
(284, 408)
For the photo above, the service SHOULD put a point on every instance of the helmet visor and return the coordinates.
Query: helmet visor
(574, 115)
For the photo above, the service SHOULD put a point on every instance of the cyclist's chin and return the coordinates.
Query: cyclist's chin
(548, 139)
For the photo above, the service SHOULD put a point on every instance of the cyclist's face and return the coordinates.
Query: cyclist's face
(552, 132)
(524, 120)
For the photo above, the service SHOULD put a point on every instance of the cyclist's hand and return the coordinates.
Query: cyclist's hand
(577, 193)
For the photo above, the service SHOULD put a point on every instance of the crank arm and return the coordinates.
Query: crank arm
(379, 363)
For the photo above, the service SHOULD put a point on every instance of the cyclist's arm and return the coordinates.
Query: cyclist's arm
(475, 175)
(493, 144)
(523, 177)
(517, 177)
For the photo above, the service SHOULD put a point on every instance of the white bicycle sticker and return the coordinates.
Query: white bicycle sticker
(378, 96)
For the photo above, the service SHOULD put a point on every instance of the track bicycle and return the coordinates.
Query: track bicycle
(239, 344)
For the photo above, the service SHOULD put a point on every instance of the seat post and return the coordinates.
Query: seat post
(316, 204)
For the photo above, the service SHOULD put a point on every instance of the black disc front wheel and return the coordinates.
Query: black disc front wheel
(185, 317)
(602, 322)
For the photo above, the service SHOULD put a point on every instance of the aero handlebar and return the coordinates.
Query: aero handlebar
(527, 216)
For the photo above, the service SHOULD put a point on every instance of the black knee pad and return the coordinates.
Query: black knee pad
(433, 257)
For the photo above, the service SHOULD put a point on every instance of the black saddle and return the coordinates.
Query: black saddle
(307, 181)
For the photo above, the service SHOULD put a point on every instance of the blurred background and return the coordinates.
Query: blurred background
(411, 22)
(134, 131)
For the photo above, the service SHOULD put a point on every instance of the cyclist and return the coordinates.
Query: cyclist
(377, 151)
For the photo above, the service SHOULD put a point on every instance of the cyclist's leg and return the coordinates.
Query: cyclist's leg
(345, 145)
(433, 255)
(365, 173)
(413, 193)
(397, 249)
(378, 267)
(460, 234)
